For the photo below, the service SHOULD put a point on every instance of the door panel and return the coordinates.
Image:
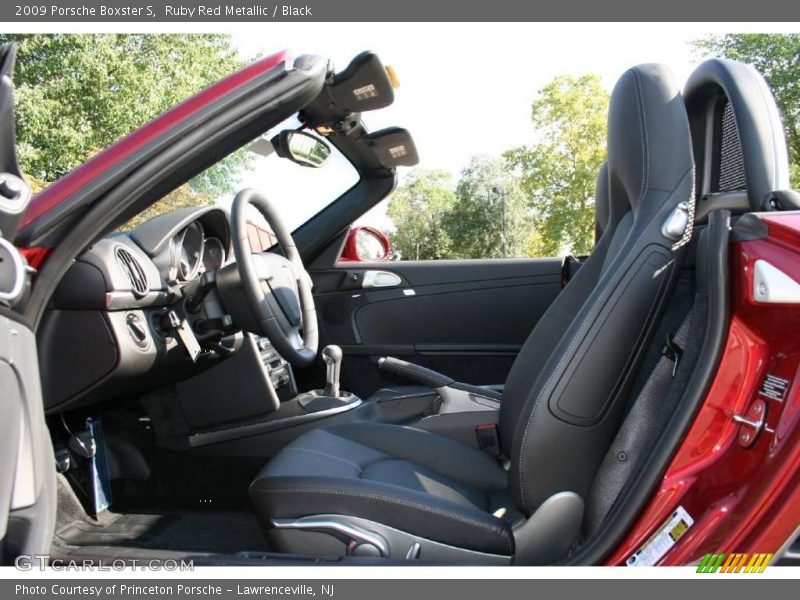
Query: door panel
(467, 319)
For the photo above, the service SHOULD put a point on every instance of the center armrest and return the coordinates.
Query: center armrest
(455, 396)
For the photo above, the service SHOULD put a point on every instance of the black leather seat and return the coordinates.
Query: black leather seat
(405, 478)
(562, 403)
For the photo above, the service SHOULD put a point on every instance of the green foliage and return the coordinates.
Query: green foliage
(536, 201)
(484, 216)
(558, 173)
(490, 216)
(417, 209)
(77, 94)
(776, 56)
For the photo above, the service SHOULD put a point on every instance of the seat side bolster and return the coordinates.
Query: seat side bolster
(417, 513)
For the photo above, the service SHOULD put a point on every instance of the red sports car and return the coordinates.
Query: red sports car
(254, 382)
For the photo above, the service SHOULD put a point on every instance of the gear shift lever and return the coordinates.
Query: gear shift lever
(332, 355)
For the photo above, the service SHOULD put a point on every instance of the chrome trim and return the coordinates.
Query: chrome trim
(751, 423)
(216, 436)
(15, 205)
(338, 527)
(413, 551)
(372, 279)
(676, 223)
(19, 273)
(402, 544)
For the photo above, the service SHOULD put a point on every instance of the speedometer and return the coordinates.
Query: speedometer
(190, 251)
(213, 254)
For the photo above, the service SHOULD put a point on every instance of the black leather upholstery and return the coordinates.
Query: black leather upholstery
(409, 479)
(563, 400)
(564, 397)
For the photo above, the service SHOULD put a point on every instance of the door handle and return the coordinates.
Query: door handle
(380, 279)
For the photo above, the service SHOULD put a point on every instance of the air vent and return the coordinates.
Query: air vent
(131, 267)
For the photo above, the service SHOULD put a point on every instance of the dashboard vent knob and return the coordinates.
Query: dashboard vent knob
(133, 269)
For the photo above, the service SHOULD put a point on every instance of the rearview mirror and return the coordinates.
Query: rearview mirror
(302, 148)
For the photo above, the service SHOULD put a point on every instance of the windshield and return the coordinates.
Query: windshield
(297, 192)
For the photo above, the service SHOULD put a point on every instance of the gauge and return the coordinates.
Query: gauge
(213, 254)
(189, 251)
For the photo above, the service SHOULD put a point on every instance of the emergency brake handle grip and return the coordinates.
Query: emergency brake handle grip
(414, 372)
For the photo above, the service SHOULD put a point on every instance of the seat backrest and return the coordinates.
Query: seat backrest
(565, 394)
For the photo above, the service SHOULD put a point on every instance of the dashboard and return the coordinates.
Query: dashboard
(185, 243)
(104, 333)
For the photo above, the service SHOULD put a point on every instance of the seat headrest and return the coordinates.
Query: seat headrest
(649, 144)
(739, 140)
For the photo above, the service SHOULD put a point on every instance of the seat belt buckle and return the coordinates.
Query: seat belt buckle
(488, 438)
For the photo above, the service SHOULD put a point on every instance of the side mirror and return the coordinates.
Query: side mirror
(366, 244)
(302, 148)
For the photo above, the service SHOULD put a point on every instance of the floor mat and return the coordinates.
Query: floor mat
(224, 532)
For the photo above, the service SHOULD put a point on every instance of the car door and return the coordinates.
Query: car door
(27, 474)
(465, 318)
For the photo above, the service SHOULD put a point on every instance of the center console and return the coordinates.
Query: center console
(251, 400)
(277, 369)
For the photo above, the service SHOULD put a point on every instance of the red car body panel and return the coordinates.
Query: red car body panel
(742, 499)
(129, 145)
(350, 251)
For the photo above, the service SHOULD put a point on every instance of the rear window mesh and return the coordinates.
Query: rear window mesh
(731, 162)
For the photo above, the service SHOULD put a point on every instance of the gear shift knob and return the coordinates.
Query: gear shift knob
(332, 355)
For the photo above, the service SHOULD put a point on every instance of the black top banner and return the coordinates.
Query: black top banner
(408, 10)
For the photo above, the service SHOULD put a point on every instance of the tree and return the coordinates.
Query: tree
(490, 216)
(558, 172)
(777, 57)
(417, 209)
(77, 94)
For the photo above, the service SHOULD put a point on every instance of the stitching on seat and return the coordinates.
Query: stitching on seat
(644, 137)
(312, 451)
(390, 500)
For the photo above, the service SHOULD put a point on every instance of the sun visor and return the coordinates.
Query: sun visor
(394, 147)
(364, 85)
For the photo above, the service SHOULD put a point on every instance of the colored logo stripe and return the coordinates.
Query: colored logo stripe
(734, 563)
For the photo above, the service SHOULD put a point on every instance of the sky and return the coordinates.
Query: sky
(466, 89)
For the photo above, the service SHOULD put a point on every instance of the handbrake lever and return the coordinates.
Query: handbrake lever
(414, 372)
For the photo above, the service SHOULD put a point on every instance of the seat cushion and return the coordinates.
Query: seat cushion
(412, 480)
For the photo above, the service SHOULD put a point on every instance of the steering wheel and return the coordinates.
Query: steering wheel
(278, 288)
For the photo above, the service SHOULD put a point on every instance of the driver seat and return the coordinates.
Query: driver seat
(398, 492)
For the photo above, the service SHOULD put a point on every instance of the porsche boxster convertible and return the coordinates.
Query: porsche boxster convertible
(252, 381)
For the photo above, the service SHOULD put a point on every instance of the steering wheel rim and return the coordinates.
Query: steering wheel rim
(273, 284)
